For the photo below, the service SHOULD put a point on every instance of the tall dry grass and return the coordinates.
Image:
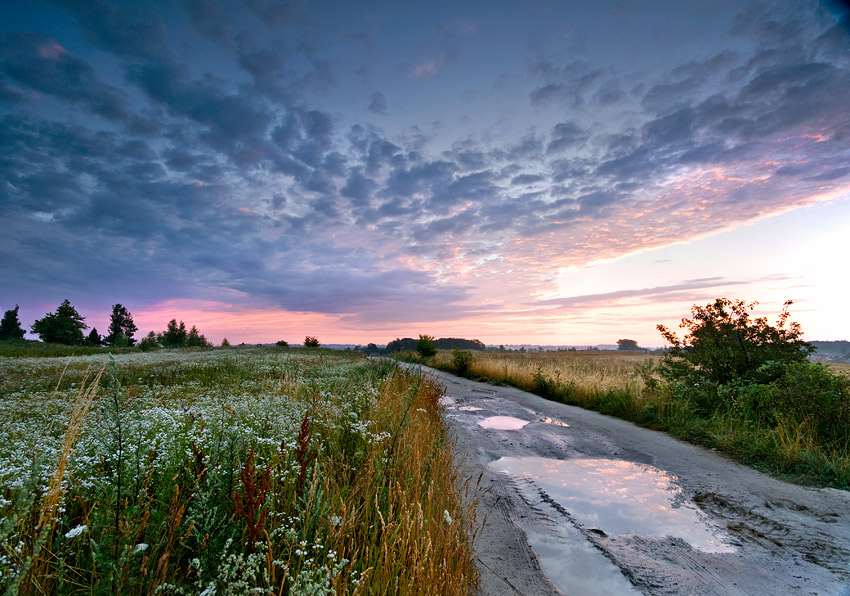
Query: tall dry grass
(586, 373)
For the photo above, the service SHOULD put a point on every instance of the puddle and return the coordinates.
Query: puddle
(547, 420)
(575, 565)
(470, 408)
(503, 423)
(619, 497)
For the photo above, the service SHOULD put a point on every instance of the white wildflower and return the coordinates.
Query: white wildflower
(73, 533)
(141, 547)
(446, 517)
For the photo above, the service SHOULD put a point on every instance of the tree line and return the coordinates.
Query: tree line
(66, 326)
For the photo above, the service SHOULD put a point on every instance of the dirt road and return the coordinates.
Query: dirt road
(582, 504)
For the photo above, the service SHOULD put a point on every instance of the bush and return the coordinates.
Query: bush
(729, 364)
(461, 360)
(311, 342)
(723, 344)
(426, 346)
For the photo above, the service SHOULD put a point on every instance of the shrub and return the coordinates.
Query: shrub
(311, 342)
(461, 360)
(426, 346)
(723, 344)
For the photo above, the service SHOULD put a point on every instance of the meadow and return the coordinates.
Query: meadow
(797, 428)
(227, 471)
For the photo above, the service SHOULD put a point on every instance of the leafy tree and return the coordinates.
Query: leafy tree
(225, 343)
(283, 343)
(149, 342)
(65, 326)
(724, 344)
(627, 345)
(311, 342)
(10, 326)
(121, 325)
(196, 340)
(93, 338)
(174, 336)
(425, 346)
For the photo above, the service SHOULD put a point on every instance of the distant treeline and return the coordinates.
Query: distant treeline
(444, 343)
(832, 350)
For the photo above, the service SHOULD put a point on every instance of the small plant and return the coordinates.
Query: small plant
(461, 361)
(426, 346)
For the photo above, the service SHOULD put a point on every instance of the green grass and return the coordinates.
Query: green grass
(36, 349)
(261, 470)
(623, 385)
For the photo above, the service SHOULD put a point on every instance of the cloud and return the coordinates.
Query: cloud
(37, 61)
(378, 104)
(430, 67)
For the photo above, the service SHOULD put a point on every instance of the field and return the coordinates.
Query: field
(791, 444)
(227, 472)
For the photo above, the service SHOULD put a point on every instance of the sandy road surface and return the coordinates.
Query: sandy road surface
(582, 504)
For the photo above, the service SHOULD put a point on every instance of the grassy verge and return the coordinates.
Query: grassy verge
(36, 349)
(622, 385)
(227, 472)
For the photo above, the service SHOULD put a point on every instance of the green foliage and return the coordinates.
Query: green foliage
(311, 342)
(225, 343)
(150, 342)
(282, 343)
(461, 361)
(94, 339)
(227, 472)
(723, 344)
(196, 340)
(628, 345)
(65, 326)
(175, 335)
(425, 346)
(121, 327)
(10, 326)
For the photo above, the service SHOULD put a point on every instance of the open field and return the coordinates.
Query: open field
(626, 385)
(227, 471)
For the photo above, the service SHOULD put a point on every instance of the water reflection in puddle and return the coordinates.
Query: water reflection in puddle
(619, 497)
(547, 420)
(502, 423)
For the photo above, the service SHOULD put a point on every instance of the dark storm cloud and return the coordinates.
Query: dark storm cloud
(127, 29)
(36, 61)
(209, 17)
(183, 173)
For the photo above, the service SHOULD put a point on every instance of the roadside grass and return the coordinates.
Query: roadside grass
(25, 348)
(625, 385)
(228, 472)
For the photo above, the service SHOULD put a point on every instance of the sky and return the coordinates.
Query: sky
(542, 172)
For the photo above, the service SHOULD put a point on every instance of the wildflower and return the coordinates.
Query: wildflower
(73, 533)
(141, 547)
(446, 517)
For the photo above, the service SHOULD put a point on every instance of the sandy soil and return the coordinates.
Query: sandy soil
(580, 503)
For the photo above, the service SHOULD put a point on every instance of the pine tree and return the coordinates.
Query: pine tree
(94, 337)
(174, 336)
(121, 327)
(65, 326)
(10, 326)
